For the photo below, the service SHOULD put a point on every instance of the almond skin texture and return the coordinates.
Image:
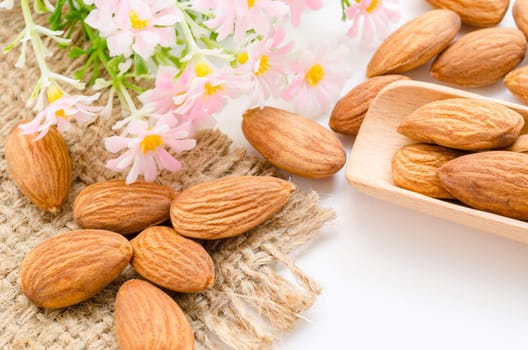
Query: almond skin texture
(293, 143)
(42, 170)
(414, 167)
(415, 43)
(72, 267)
(172, 261)
(479, 13)
(494, 181)
(480, 58)
(520, 15)
(350, 110)
(465, 124)
(517, 82)
(147, 318)
(228, 206)
(116, 206)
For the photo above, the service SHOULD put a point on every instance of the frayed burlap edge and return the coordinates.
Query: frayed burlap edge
(250, 304)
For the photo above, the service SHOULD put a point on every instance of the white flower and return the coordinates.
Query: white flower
(136, 25)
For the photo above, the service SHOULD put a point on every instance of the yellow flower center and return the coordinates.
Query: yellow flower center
(372, 6)
(202, 69)
(136, 22)
(251, 3)
(263, 65)
(242, 57)
(54, 93)
(210, 90)
(61, 114)
(314, 75)
(150, 143)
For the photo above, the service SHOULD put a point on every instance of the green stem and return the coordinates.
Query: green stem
(117, 82)
(36, 42)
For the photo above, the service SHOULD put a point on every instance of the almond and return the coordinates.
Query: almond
(228, 206)
(41, 169)
(415, 43)
(494, 181)
(520, 15)
(350, 110)
(147, 318)
(116, 206)
(479, 13)
(72, 267)
(293, 142)
(171, 261)
(517, 82)
(520, 145)
(462, 123)
(481, 57)
(414, 168)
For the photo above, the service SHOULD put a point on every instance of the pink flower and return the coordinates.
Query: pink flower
(167, 86)
(206, 93)
(61, 110)
(146, 151)
(193, 97)
(299, 6)
(263, 65)
(242, 15)
(318, 77)
(373, 16)
(101, 18)
(136, 25)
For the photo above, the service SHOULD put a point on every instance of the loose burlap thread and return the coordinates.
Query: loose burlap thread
(250, 304)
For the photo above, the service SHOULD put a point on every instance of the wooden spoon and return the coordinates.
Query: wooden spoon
(369, 166)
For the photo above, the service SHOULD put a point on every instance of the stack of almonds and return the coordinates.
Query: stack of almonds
(480, 58)
(494, 178)
(72, 267)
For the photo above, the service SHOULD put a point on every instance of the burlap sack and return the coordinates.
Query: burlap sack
(250, 304)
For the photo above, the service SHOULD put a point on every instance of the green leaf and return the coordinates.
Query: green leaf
(114, 63)
(78, 75)
(140, 67)
(76, 52)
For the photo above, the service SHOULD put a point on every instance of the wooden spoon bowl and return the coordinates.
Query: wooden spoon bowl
(369, 166)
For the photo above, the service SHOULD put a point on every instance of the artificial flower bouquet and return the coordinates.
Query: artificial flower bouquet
(173, 65)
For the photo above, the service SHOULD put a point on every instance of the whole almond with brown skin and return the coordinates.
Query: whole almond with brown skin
(462, 123)
(480, 13)
(517, 82)
(115, 206)
(520, 15)
(41, 169)
(350, 110)
(147, 318)
(172, 261)
(495, 181)
(294, 143)
(415, 43)
(228, 206)
(481, 57)
(414, 167)
(72, 267)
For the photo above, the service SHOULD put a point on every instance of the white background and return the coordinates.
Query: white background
(394, 278)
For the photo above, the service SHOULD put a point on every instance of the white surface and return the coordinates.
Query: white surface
(394, 278)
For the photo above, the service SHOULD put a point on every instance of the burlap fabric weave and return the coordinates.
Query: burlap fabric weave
(250, 304)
